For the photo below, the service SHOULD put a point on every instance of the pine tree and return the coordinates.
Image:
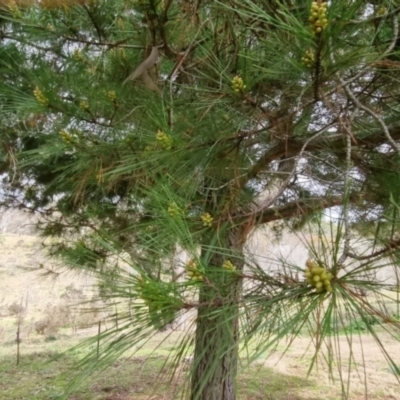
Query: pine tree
(141, 128)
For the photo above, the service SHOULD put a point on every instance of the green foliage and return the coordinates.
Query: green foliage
(251, 116)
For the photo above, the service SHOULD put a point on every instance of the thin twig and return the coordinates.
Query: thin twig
(395, 36)
(186, 53)
(119, 43)
(373, 114)
(286, 182)
(346, 246)
(390, 248)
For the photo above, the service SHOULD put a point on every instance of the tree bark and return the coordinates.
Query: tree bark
(217, 331)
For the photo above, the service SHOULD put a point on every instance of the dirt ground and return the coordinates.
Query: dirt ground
(370, 375)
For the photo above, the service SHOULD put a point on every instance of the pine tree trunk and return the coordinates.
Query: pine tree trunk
(216, 345)
(216, 356)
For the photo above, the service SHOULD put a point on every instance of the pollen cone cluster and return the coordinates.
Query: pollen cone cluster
(318, 18)
(164, 140)
(318, 277)
(174, 210)
(193, 271)
(207, 219)
(308, 58)
(237, 84)
(228, 265)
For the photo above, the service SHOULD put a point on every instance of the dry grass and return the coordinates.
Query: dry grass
(139, 377)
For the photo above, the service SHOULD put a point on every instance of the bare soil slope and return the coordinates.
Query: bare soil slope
(28, 291)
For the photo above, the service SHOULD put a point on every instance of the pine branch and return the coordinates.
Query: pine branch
(333, 142)
(298, 208)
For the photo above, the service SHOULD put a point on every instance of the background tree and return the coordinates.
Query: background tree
(255, 112)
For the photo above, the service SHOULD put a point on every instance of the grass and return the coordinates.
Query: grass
(37, 377)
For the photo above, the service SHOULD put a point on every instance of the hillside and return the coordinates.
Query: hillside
(35, 288)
